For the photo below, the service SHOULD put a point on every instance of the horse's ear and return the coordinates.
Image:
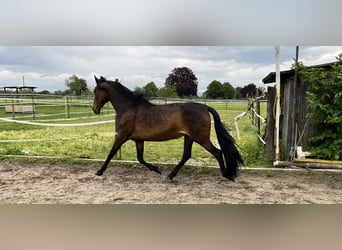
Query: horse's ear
(99, 81)
(96, 80)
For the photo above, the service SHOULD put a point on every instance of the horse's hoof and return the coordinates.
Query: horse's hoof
(155, 169)
(170, 177)
(231, 178)
(99, 173)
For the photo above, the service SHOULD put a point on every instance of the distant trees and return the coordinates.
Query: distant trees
(214, 90)
(44, 92)
(167, 92)
(228, 91)
(181, 82)
(184, 81)
(238, 94)
(76, 85)
(149, 90)
(217, 90)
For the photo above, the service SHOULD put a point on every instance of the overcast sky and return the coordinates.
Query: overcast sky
(38, 36)
(47, 67)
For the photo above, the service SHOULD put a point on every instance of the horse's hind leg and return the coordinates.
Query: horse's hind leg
(215, 152)
(186, 156)
(140, 154)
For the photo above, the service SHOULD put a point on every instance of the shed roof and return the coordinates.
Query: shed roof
(270, 78)
(19, 87)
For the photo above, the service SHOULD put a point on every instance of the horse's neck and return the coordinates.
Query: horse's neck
(120, 103)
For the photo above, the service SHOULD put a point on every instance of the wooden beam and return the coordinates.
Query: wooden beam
(308, 165)
(270, 122)
(278, 111)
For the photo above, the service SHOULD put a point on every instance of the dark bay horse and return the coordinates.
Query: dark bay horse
(139, 120)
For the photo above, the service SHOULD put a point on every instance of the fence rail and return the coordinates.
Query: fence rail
(254, 116)
(73, 112)
(65, 104)
(39, 105)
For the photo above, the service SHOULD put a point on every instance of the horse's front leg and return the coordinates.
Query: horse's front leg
(116, 146)
(140, 155)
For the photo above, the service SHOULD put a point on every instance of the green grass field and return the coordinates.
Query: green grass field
(95, 141)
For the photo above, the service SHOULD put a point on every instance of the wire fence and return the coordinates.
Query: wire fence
(41, 107)
(69, 117)
(54, 108)
(37, 109)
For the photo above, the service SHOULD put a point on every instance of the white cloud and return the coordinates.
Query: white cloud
(320, 54)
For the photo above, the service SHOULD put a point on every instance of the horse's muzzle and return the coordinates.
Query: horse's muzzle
(96, 111)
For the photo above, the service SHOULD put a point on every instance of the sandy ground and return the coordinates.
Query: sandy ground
(64, 184)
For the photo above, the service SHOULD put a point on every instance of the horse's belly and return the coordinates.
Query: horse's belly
(157, 134)
(162, 138)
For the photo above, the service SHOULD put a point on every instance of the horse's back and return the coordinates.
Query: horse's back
(171, 121)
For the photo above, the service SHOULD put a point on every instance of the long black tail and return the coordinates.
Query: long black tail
(227, 143)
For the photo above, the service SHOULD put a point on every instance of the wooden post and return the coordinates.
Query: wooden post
(294, 93)
(258, 112)
(13, 113)
(277, 118)
(33, 107)
(88, 100)
(67, 108)
(250, 113)
(270, 122)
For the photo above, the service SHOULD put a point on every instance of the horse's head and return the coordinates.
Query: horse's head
(101, 95)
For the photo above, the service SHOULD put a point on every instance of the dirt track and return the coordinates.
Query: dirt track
(64, 184)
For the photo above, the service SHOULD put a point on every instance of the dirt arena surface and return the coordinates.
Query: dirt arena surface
(37, 183)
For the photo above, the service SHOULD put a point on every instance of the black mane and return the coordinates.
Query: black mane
(134, 96)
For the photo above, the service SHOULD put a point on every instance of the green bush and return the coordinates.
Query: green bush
(324, 98)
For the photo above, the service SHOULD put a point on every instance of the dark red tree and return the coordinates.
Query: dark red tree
(184, 80)
(249, 90)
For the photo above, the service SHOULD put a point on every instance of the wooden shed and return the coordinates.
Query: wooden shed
(14, 99)
(295, 127)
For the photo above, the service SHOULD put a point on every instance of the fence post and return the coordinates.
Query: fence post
(251, 114)
(258, 112)
(88, 102)
(270, 125)
(33, 107)
(67, 108)
(13, 113)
